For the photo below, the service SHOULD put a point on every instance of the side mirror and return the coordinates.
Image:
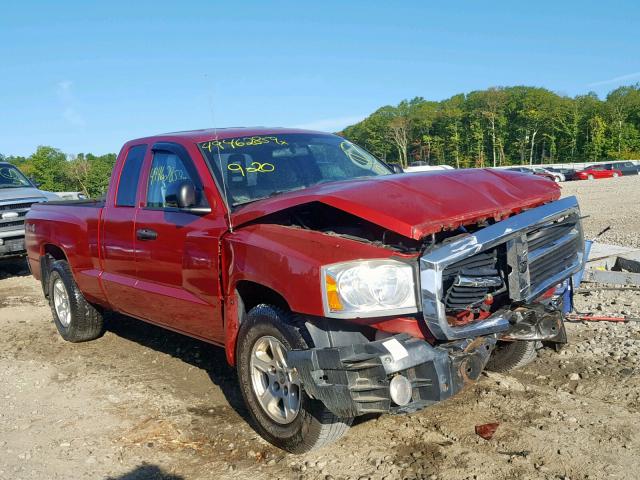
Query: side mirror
(397, 168)
(183, 195)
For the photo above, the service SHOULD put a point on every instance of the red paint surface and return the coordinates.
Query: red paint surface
(186, 279)
(417, 204)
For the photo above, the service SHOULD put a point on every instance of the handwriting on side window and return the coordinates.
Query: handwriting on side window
(167, 173)
(256, 167)
(234, 143)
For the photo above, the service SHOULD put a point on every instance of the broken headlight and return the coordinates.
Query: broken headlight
(368, 288)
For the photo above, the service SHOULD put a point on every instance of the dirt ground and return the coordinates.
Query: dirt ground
(144, 403)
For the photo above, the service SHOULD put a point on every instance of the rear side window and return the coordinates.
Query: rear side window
(128, 185)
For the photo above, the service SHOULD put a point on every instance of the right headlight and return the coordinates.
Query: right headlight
(368, 288)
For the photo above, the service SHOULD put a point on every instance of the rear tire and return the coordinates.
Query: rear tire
(511, 355)
(590, 177)
(615, 175)
(75, 318)
(313, 425)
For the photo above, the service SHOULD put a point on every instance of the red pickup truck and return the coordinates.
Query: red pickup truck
(337, 286)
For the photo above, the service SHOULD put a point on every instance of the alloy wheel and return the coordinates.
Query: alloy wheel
(276, 386)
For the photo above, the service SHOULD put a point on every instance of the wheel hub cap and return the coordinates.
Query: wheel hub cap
(61, 303)
(276, 386)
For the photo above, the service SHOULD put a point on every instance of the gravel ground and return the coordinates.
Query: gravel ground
(611, 202)
(144, 403)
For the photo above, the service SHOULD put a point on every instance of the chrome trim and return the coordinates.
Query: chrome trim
(513, 233)
(18, 232)
(12, 220)
(488, 281)
(541, 252)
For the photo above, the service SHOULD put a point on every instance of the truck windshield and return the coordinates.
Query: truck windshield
(256, 167)
(11, 177)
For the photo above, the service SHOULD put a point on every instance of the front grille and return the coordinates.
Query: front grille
(10, 225)
(14, 223)
(552, 249)
(15, 206)
(466, 283)
(459, 296)
(550, 233)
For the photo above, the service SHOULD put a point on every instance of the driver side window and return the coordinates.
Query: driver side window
(167, 172)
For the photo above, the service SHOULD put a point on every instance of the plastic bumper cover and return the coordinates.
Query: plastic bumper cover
(354, 380)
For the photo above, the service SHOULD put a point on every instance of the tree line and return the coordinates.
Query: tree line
(493, 127)
(505, 126)
(56, 171)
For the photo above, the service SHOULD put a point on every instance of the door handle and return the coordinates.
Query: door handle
(146, 234)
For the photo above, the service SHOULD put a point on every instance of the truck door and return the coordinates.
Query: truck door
(177, 251)
(118, 220)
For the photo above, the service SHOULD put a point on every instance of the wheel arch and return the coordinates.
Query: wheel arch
(49, 253)
(245, 295)
(254, 293)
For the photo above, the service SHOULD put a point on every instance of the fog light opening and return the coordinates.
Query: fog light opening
(400, 390)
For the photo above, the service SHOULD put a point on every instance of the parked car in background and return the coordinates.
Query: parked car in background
(17, 194)
(425, 167)
(532, 172)
(71, 195)
(557, 176)
(597, 171)
(569, 173)
(627, 168)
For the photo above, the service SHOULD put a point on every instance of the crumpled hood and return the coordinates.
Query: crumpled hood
(418, 204)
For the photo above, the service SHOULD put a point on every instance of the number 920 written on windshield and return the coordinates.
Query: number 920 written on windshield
(256, 167)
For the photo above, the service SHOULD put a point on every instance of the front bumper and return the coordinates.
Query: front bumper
(537, 322)
(354, 380)
(12, 246)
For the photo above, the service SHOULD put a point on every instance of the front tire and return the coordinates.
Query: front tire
(75, 318)
(283, 413)
(615, 175)
(511, 355)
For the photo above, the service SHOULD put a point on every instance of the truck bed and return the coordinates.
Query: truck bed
(74, 227)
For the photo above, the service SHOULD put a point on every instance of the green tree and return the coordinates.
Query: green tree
(48, 166)
(506, 125)
(597, 139)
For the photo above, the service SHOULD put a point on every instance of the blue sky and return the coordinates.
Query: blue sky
(86, 76)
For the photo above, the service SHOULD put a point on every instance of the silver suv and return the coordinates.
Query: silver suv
(17, 194)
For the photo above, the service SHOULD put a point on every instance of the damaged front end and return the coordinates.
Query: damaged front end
(502, 279)
(370, 377)
(498, 282)
(536, 322)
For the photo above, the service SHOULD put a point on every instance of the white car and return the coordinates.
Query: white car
(425, 167)
(558, 176)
